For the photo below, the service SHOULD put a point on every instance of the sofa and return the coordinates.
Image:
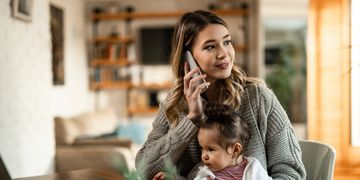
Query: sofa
(89, 140)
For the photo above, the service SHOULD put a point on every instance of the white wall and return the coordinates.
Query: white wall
(284, 14)
(284, 9)
(28, 100)
(75, 96)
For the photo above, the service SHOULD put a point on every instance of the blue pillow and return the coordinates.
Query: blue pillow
(136, 131)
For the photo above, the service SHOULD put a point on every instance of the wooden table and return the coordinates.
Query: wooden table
(82, 174)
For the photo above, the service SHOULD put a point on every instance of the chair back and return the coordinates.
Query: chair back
(4, 173)
(319, 160)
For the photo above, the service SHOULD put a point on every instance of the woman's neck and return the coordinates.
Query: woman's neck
(212, 93)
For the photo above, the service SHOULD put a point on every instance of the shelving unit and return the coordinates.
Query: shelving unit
(109, 62)
(152, 15)
(142, 111)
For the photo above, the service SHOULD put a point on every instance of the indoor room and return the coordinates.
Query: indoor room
(83, 82)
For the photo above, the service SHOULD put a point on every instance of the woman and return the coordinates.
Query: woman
(174, 134)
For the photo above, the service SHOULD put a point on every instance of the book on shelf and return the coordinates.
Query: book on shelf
(111, 75)
(100, 51)
(116, 51)
(97, 75)
(123, 74)
(122, 51)
(112, 52)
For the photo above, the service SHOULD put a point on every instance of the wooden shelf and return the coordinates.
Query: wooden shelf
(143, 111)
(108, 62)
(138, 15)
(110, 85)
(127, 85)
(112, 39)
(163, 86)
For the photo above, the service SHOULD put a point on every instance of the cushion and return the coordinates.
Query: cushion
(90, 124)
(137, 130)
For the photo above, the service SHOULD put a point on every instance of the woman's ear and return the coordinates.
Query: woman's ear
(237, 149)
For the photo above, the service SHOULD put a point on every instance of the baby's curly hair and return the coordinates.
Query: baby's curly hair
(232, 127)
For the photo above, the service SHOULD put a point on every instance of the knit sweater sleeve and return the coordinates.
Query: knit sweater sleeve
(164, 144)
(282, 148)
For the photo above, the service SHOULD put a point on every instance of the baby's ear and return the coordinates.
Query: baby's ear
(237, 149)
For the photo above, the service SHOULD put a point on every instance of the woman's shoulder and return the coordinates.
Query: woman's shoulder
(180, 105)
(258, 89)
(257, 96)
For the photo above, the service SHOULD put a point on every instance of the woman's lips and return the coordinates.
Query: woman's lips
(222, 65)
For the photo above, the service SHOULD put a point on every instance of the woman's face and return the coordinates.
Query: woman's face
(213, 51)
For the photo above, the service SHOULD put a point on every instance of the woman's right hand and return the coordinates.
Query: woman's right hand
(192, 91)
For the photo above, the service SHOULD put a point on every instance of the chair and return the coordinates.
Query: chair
(4, 173)
(319, 160)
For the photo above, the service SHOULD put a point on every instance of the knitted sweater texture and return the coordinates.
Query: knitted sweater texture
(272, 140)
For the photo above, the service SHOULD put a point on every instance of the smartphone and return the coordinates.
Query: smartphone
(192, 63)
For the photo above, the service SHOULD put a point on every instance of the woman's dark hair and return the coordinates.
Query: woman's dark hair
(232, 127)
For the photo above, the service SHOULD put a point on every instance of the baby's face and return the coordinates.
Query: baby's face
(212, 154)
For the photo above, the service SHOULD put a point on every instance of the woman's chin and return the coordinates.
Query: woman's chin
(224, 76)
(219, 76)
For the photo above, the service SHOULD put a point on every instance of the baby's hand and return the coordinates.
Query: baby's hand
(159, 176)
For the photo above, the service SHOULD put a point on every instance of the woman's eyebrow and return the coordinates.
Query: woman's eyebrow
(227, 35)
(213, 40)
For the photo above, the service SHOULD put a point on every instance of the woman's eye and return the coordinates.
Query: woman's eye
(211, 149)
(210, 47)
(228, 42)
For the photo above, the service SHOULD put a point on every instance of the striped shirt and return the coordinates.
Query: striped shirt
(233, 173)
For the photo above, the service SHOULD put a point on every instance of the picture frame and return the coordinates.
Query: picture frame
(22, 9)
(57, 42)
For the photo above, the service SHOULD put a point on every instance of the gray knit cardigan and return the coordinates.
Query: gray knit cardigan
(272, 139)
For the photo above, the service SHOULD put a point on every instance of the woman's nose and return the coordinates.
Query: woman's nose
(221, 53)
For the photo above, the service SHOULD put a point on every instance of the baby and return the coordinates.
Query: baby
(223, 136)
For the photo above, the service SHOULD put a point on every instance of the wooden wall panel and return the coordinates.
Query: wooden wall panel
(328, 73)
